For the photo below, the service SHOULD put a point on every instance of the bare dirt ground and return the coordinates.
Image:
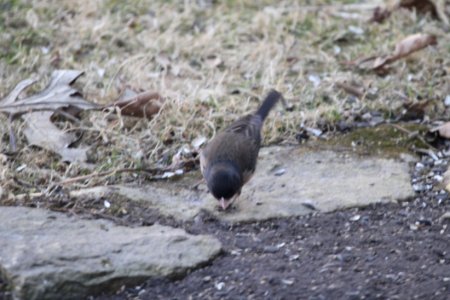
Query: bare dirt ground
(326, 256)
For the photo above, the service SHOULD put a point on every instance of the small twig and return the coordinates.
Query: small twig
(68, 116)
(428, 152)
(115, 219)
(413, 135)
(22, 183)
(107, 173)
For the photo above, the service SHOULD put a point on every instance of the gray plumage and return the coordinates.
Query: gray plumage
(229, 159)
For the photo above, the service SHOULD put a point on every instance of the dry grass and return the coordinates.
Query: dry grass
(212, 62)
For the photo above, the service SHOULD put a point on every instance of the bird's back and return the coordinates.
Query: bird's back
(238, 143)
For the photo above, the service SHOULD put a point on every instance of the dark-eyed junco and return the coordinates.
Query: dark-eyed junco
(229, 160)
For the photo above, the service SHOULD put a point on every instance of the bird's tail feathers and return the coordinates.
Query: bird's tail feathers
(270, 101)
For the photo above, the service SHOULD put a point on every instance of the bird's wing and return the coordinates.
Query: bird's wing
(239, 143)
(249, 126)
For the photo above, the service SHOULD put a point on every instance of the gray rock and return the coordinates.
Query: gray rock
(320, 180)
(48, 255)
(170, 199)
(326, 180)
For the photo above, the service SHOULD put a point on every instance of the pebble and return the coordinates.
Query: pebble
(422, 223)
(355, 218)
(270, 249)
(438, 178)
(279, 172)
(419, 166)
(418, 187)
(413, 227)
(294, 257)
(235, 252)
(447, 100)
(288, 281)
(281, 245)
(21, 168)
(219, 285)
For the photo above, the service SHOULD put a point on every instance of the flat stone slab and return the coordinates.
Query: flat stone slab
(289, 181)
(292, 181)
(48, 255)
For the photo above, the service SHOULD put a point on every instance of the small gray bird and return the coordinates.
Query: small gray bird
(229, 159)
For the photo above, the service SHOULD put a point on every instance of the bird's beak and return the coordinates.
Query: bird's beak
(223, 203)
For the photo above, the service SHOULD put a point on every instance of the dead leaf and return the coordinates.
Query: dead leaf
(41, 132)
(411, 44)
(403, 48)
(37, 110)
(143, 105)
(421, 6)
(380, 61)
(444, 130)
(434, 7)
(59, 93)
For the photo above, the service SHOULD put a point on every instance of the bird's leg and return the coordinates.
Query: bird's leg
(195, 186)
(225, 203)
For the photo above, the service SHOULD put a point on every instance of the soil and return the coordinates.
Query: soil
(394, 251)
(383, 251)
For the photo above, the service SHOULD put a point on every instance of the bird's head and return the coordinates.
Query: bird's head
(224, 180)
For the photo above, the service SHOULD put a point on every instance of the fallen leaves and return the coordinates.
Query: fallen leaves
(41, 132)
(143, 105)
(37, 110)
(434, 7)
(60, 97)
(59, 93)
(404, 48)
